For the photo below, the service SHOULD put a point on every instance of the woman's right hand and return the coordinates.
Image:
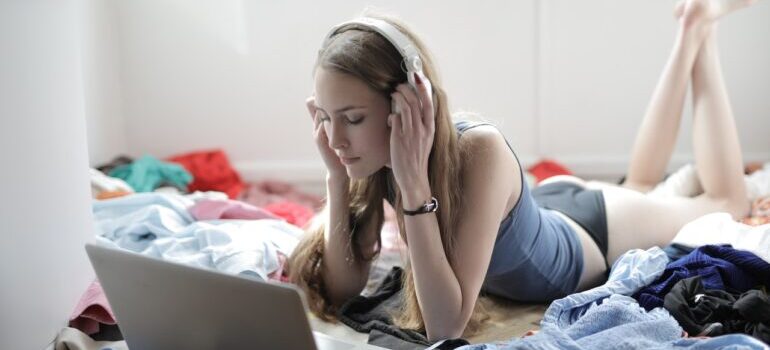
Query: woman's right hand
(334, 166)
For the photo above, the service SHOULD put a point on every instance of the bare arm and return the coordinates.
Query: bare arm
(447, 290)
(344, 277)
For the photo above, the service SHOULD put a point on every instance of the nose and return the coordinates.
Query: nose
(336, 135)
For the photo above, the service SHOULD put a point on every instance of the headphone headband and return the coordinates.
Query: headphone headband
(403, 44)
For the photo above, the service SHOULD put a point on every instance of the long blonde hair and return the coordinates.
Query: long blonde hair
(370, 57)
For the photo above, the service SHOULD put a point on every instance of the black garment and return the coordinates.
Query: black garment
(713, 312)
(373, 314)
(116, 162)
(584, 206)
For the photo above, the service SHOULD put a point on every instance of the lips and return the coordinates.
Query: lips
(347, 160)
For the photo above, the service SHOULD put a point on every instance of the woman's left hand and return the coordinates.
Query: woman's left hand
(411, 135)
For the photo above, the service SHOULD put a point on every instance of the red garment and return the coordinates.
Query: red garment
(547, 168)
(295, 214)
(211, 171)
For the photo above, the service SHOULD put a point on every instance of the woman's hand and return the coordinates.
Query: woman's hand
(334, 166)
(411, 139)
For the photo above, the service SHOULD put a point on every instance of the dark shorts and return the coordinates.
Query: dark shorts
(584, 206)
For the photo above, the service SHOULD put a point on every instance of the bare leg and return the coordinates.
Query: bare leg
(656, 137)
(718, 158)
(636, 220)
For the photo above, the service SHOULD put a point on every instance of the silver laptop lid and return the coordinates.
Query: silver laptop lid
(164, 305)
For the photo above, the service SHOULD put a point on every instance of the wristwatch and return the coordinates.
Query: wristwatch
(429, 207)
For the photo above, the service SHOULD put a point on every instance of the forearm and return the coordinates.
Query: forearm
(344, 277)
(438, 290)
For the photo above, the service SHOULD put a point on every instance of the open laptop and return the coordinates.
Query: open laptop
(165, 305)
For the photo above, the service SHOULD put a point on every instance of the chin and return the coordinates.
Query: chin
(358, 173)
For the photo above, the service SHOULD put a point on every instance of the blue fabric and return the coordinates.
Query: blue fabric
(620, 323)
(158, 225)
(606, 318)
(632, 271)
(720, 267)
(537, 256)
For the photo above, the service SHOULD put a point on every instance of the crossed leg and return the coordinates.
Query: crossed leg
(636, 220)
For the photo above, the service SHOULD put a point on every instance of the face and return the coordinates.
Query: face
(355, 121)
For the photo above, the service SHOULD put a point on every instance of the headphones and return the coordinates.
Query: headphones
(411, 62)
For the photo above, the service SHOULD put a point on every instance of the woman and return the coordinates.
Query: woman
(490, 232)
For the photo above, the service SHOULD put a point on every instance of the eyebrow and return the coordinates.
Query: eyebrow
(343, 109)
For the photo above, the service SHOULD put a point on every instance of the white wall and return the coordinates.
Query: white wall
(45, 213)
(601, 61)
(106, 127)
(563, 79)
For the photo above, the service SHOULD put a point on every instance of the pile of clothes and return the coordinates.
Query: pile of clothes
(190, 209)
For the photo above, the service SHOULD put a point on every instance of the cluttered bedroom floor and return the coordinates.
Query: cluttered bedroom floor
(707, 289)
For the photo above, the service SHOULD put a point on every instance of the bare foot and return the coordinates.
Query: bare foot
(708, 10)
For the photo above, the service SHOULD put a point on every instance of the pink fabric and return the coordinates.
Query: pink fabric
(210, 209)
(280, 274)
(92, 309)
(267, 192)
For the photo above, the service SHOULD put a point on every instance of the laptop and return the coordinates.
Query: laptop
(165, 305)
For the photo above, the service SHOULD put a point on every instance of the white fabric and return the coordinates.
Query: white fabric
(101, 182)
(720, 228)
(685, 183)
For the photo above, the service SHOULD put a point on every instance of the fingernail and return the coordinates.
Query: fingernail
(417, 78)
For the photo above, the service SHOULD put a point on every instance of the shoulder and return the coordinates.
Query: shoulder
(489, 165)
(485, 143)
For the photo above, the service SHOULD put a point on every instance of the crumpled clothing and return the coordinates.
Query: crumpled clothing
(228, 209)
(293, 213)
(101, 183)
(720, 228)
(547, 168)
(92, 310)
(159, 225)
(760, 212)
(73, 339)
(703, 312)
(148, 173)
(605, 317)
(721, 267)
(211, 171)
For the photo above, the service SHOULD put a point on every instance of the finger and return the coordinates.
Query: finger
(316, 118)
(395, 130)
(405, 113)
(414, 104)
(310, 105)
(425, 94)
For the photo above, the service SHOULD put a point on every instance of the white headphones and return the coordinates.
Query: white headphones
(412, 63)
